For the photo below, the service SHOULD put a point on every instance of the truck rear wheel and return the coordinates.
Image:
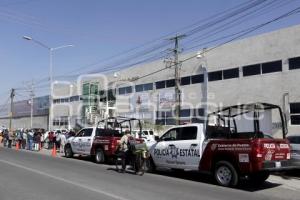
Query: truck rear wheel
(99, 156)
(225, 174)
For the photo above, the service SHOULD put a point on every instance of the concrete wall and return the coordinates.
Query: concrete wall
(24, 122)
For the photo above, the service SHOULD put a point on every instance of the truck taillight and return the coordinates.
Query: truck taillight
(258, 151)
(288, 156)
(259, 155)
(113, 145)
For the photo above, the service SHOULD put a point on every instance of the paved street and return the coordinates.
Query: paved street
(36, 176)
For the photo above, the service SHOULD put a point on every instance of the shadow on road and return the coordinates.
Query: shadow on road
(291, 174)
(207, 179)
(194, 176)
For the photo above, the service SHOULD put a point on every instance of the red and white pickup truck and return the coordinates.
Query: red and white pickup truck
(238, 141)
(100, 142)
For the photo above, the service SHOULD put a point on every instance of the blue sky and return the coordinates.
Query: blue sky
(99, 29)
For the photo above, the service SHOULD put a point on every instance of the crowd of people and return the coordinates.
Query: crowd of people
(35, 139)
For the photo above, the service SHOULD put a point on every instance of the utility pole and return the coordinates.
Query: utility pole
(177, 78)
(12, 95)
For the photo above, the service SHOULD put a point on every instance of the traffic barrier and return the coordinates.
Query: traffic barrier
(17, 145)
(54, 151)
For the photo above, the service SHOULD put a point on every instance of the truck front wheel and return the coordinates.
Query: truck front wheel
(68, 151)
(150, 166)
(225, 174)
(99, 156)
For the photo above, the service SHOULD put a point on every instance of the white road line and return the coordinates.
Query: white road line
(64, 180)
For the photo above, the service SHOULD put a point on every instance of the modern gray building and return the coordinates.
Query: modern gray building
(263, 68)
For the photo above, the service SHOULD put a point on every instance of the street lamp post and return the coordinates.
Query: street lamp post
(50, 49)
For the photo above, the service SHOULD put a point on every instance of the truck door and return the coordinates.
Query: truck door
(75, 143)
(87, 140)
(189, 147)
(164, 152)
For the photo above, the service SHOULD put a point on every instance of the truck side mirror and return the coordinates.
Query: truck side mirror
(156, 138)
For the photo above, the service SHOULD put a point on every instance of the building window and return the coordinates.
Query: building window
(125, 90)
(67, 99)
(231, 73)
(251, 70)
(128, 90)
(185, 80)
(199, 78)
(295, 113)
(55, 122)
(64, 100)
(170, 83)
(270, 67)
(294, 63)
(139, 88)
(144, 87)
(215, 76)
(185, 113)
(148, 86)
(122, 91)
(160, 84)
(74, 98)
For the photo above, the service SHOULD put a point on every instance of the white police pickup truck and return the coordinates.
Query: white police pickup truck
(179, 148)
(228, 148)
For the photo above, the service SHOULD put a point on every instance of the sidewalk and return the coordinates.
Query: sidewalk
(48, 152)
(43, 151)
(292, 183)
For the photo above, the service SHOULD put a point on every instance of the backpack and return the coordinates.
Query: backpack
(131, 144)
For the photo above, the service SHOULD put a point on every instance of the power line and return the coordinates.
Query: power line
(236, 21)
(243, 33)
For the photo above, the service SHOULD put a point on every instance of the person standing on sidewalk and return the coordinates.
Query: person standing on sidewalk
(19, 137)
(30, 139)
(5, 138)
(1, 136)
(63, 141)
(50, 139)
(10, 138)
(24, 141)
(57, 140)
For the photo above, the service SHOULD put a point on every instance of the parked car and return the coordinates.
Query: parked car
(295, 149)
(147, 135)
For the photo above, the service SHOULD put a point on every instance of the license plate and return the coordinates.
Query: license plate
(277, 164)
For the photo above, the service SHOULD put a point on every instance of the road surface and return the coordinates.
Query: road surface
(32, 176)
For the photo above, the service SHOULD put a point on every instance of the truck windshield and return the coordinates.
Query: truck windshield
(247, 121)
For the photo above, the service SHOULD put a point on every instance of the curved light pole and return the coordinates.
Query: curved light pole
(50, 49)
